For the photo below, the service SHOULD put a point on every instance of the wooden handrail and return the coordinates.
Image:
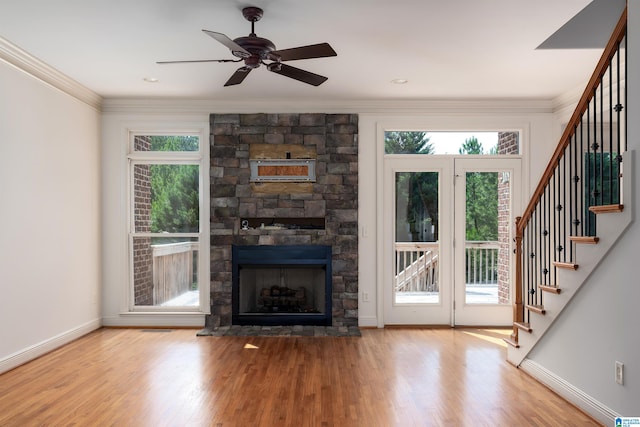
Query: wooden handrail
(609, 51)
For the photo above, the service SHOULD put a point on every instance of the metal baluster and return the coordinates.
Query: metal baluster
(554, 254)
(530, 290)
(596, 146)
(601, 171)
(587, 183)
(580, 180)
(534, 253)
(570, 189)
(547, 237)
(611, 199)
(563, 207)
(626, 69)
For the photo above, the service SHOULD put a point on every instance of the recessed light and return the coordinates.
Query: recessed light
(399, 81)
(151, 80)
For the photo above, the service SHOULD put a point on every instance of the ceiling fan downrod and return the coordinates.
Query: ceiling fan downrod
(252, 14)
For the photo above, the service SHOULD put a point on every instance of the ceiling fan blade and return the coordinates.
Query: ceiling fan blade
(233, 46)
(198, 60)
(320, 50)
(298, 74)
(237, 77)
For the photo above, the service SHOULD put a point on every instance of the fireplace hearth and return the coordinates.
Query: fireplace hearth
(281, 285)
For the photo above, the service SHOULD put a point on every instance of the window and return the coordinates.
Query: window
(427, 142)
(166, 252)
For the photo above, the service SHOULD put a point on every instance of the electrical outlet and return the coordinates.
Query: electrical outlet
(619, 372)
(365, 297)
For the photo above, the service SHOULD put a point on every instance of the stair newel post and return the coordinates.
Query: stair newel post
(518, 308)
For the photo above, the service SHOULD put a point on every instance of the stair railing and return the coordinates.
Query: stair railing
(585, 171)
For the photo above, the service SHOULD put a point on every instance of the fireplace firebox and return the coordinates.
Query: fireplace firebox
(281, 285)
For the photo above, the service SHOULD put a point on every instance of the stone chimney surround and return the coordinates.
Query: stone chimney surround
(330, 203)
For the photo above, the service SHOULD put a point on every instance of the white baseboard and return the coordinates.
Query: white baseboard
(368, 321)
(30, 353)
(569, 392)
(157, 320)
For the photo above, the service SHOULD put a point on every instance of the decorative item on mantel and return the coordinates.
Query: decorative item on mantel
(283, 170)
(306, 223)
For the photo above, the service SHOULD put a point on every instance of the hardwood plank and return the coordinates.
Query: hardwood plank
(566, 265)
(550, 289)
(606, 209)
(589, 240)
(536, 309)
(398, 377)
(523, 326)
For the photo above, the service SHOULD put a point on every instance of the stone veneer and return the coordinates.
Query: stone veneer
(334, 196)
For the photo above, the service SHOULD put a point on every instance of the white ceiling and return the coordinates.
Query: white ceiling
(462, 49)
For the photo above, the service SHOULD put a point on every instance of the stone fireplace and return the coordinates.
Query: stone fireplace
(320, 212)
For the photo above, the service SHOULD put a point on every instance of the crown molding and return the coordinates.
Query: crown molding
(31, 65)
(431, 106)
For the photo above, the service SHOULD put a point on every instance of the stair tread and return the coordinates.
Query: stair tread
(548, 288)
(589, 240)
(567, 265)
(523, 325)
(511, 342)
(536, 308)
(606, 209)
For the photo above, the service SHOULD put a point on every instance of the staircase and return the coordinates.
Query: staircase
(577, 211)
(589, 251)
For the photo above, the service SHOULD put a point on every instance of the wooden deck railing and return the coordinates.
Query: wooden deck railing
(584, 171)
(481, 262)
(173, 272)
(417, 265)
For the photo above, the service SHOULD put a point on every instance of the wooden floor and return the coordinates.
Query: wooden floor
(390, 377)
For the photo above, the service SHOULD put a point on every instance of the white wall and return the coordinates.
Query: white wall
(50, 217)
(600, 326)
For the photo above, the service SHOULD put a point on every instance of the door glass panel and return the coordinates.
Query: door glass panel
(416, 278)
(487, 230)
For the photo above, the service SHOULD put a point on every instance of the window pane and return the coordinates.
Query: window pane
(417, 268)
(404, 142)
(165, 271)
(484, 203)
(166, 198)
(417, 206)
(166, 143)
(424, 142)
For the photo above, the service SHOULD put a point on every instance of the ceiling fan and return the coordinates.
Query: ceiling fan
(254, 51)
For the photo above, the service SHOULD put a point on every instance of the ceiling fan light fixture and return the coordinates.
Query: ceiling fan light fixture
(150, 79)
(399, 81)
(274, 66)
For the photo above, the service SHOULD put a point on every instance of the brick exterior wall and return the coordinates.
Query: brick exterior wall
(334, 196)
(142, 253)
(508, 143)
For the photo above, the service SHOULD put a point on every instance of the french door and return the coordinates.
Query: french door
(447, 239)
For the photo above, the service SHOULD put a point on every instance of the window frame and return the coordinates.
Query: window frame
(198, 158)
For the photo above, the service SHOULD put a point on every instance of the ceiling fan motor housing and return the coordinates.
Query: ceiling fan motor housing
(259, 48)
